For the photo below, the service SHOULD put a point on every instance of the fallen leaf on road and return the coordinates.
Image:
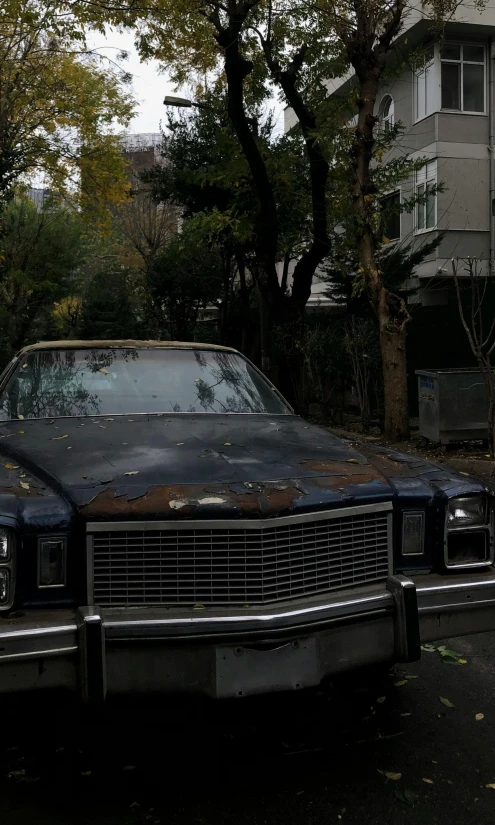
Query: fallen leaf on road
(462, 661)
(132, 473)
(428, 648)
(390, 775)
(411, 676)
(399, 684)
(59, 437)
(11, 466)
(490, 785)
(479, 717)
(381, 699)
(446, 702)
(428, 781)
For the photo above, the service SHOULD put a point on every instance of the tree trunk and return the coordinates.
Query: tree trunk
(393, 350)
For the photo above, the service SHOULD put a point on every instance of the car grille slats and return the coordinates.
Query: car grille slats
(225, 566)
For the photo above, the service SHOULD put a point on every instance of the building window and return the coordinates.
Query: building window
(463, 77)
(425, 86)
(386, 113)
(390, 223)
(426, 207)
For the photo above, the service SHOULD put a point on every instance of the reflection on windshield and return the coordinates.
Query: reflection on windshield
(57, 383)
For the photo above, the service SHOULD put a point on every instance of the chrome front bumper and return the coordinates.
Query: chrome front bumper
(239, 652)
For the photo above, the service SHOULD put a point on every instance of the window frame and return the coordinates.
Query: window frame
(386, 123)
(423, 72)
(422, 178)
(391, 194)
(461, 63)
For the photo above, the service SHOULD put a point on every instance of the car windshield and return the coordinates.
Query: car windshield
(78, 382)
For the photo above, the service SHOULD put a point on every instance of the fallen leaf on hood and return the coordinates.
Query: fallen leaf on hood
(479, 717)
(181, 443)
(409, 797)
(132, 473)
(428, 781)
(11, 466)
(399, 684)
(20, 432)
(446, 702)
(352, 461)
(16, 774)
(24, 485)
(59, 437)
(199, 606)
(227, 444)
(104, 371)
(461, 473)
(390, 775)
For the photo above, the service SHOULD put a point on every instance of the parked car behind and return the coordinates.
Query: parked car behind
(168, 524)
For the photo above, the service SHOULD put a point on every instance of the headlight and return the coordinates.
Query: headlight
(466, 511)
(52, 554)
(6, 540)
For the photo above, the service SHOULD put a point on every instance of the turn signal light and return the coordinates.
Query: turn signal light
(52, 562)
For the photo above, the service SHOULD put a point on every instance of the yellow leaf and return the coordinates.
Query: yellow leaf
(428, 781)
(405, 714)
(381, 700)
(11, 466)
(227, 444)
(20, 417)
(132, 473)
(104, 371)
(479, 717)
(180, 443)
(399, 684)
(59, 437)
(352, 461)
(462, 661)
(393, 776)
(24, 485)
(24, 366)
(491, 785)
(446, 702)
(199, 606)
(20, 432)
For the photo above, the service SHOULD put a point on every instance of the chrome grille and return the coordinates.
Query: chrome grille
(280, 559)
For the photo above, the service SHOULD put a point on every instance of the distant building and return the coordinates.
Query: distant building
(142, 152)
(38, 196)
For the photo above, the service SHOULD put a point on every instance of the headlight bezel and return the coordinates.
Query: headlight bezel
(484, 526)
(8, 564)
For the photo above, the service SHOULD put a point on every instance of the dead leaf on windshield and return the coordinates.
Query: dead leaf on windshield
(11, 466)
(446, 702)
(59, 437)
(132, 473)
(479, 717)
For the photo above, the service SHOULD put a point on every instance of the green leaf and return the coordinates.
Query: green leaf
(406, 796)
(446, 702)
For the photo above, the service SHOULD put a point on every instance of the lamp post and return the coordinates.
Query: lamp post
(184, 103)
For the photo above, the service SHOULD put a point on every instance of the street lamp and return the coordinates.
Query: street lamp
(183, 103)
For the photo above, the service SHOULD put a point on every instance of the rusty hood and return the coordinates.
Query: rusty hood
(190, 466)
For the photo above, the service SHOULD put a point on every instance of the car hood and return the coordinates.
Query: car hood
(201, 466)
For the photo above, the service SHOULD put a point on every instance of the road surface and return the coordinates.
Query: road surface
(313, 758)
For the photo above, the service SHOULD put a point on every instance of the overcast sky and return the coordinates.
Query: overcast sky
(149, 87)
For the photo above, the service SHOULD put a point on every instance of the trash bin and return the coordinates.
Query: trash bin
(453, 405)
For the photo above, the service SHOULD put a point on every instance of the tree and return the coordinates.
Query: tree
(109, 306)
(183, 280)
(58, 104)
(479, 330)
(40, 252)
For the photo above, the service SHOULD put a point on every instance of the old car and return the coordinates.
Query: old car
(168, 524)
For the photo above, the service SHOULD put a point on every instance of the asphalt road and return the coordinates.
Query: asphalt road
(312, 758)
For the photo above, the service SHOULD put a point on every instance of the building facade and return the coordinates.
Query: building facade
(446, 105)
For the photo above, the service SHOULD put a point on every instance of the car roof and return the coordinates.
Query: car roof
(122, 344)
